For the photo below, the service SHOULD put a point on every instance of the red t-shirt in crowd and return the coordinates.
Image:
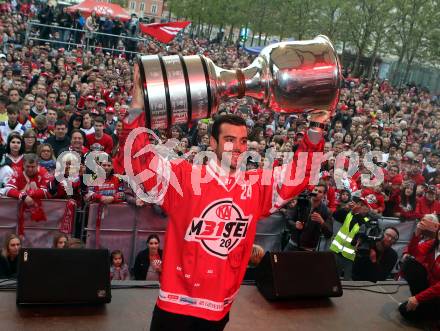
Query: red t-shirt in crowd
(424, 207)
(424, 252)
(104, 144)
(375, 199)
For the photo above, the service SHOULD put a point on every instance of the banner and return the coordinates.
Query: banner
(164, 32)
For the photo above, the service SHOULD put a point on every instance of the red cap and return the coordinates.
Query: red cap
(344, 107)
(94, 112)
(109, 110)
(90, 98)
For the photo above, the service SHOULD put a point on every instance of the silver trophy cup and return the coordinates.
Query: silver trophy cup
(291, 77)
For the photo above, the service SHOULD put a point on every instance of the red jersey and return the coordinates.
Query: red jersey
(35, 187)
(211, 229)
(425, 254)
(375, 199)
(424, 206)
(112, 187)
(104, 144)
(15, 164)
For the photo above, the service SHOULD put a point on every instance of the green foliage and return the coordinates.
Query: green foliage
(407, 29)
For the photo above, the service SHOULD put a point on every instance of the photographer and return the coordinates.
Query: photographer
(352, 219)
(377, 262)
(421, 269)
(308, 218)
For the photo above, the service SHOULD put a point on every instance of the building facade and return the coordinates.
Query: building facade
(152, 9)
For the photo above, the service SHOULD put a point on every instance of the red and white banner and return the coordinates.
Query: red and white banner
(164, 32)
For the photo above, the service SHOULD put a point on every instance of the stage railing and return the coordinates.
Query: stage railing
(73, 33)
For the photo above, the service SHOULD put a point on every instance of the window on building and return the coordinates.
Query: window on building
(142, 6)
(154, 8)
(133, 5)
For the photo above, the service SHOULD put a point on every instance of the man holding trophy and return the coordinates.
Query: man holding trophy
(214, 204)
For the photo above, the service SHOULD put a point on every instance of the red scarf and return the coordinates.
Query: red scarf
(37, 214)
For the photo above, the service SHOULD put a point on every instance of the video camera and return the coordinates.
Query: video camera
(304, 205)
(369, 234)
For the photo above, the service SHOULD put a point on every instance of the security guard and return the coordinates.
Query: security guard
(351, 218)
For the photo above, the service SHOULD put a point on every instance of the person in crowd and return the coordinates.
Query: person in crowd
(41, 129)
(112, 190)
(77, 139)
(5, 171)
(118, 267)
(257, 255)
(29, 184)
(60, 140)
(99, 141)
(148, 263)
(351, 219)
(377, 263)
(40, 106)
(69, 185)
(46, 157)
(30, 141)
(87, 124)
(14, 152)
(12, 124)
(9, 256)
(428, 204)
(406, 202)
(60, 240)
(75, 123)
(421, 269)
(308, 220)
(110, 123)
(91, 26)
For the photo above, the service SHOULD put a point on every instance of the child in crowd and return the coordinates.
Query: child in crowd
(118, 268)
(60, 241)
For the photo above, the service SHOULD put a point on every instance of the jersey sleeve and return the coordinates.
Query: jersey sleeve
(292, 178)
(152, 176)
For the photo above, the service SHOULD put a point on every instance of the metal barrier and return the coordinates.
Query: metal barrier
(123, 227)
(74, 32)
(127, 228)
(36, 234)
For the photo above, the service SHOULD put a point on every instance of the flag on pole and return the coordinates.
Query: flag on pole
(164, 32)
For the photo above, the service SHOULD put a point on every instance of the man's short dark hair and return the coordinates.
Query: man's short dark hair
(99, 119)
(4, 99)
(394, 229)
(14, 89)
(321, 183)
(12, 109)
(228, 119)
(61, 122)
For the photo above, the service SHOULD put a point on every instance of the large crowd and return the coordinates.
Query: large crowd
(57, 98)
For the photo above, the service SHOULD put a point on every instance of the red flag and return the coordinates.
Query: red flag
(164, 32)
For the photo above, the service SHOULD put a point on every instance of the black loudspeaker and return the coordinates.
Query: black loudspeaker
(63, 276)
(287, 275)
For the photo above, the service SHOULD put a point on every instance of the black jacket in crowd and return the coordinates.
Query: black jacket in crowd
(309, 236)
(142, 263)
(364, 269)
(8, 268)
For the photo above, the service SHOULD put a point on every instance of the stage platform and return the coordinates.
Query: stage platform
(131, 310)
